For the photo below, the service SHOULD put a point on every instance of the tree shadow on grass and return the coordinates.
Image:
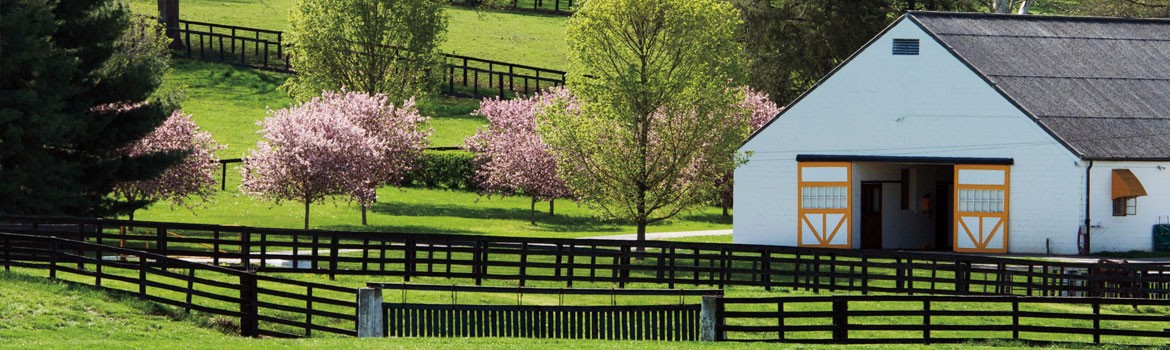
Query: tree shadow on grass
(710, 218)
(558, 223)
(390, 228)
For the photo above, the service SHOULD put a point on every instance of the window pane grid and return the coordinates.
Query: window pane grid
(981, 201)
(824, 197)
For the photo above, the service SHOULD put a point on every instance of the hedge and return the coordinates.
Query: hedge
(443, 170)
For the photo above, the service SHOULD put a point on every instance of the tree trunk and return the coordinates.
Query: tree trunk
(132, 214)
(1025, 7)
(725, 212)
(532, 212)
(1001, 6)
(641, 247)
(363, 215)
(306, 214)
(552, 207)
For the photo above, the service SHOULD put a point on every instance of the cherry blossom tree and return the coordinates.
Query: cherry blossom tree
(762, 110)
(510, 157)
(343, 143)
(192, 176)
(398, 132)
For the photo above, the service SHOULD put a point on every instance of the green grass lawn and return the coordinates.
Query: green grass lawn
(43, 314)
(228, 102)
(520, 38)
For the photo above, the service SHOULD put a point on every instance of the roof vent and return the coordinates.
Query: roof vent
(906, 46)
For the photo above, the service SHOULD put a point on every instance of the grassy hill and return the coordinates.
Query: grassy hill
(521, 38)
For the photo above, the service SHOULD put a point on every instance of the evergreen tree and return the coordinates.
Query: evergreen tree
(72, 81)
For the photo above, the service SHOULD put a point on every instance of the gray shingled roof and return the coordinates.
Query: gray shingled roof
(1100, 85)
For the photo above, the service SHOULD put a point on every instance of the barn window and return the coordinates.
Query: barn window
(906, 46)
(1126, 189)
(1125, 206)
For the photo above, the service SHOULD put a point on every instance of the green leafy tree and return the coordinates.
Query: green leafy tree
(656, 118)
(1123, 8)
(791, 44)
(73, 78)
(374, 46)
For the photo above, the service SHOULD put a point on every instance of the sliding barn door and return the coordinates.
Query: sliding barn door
(825, 205)
(981, 208)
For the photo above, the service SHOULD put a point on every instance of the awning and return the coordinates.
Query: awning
(1125, 184)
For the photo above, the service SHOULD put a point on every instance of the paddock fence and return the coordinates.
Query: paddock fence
(592, 262)
(258, 305)
(653, 320)
(266, 49)
(554, 7)
(929, 319)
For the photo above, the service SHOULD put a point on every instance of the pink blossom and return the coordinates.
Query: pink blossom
(510, 157)
(194, 175)
(341, 143)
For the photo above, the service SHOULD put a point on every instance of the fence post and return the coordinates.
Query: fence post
(333, 252)
(1096, 320)
(223, 176)
(840, 319)
(709, 318)
(249, 306)
(245, 248)
(370, 316)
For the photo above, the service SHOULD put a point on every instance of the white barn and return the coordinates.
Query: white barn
(972, 133)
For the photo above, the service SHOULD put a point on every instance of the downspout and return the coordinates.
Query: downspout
(1088, 222)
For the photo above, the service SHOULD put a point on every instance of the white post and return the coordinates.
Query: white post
(707, 318)
(369, 313)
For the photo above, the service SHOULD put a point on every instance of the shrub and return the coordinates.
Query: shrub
(444, 169)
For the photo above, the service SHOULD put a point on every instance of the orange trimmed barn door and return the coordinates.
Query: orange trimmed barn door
(825, 205)
(981, 208)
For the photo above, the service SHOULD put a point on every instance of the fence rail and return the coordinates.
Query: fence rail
(662, 322)
(935, 319)
(265, 49)
(556, 7)
(263, 305)
(606, 262)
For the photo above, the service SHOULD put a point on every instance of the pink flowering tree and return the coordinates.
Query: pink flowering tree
(192, 177)
(762, 110)
(343, 143)
(510, 157)
(399, 134)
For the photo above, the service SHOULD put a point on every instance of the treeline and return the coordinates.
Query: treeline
(793, 43)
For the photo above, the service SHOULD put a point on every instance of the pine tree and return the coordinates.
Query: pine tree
(63, 65)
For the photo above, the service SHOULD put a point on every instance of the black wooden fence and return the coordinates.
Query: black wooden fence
(557, 7)
(606, 262)
(263, 305)
(939, 319)
(264, 49)
(660, 322)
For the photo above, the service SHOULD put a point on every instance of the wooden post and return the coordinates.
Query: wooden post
(926, 321)
(709, 319)
(370, 317)
(1096, 320)
(249, 306)
(840, 319)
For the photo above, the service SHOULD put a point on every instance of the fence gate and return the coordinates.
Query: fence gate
(825, 205)
(625, 322)
(981, 208)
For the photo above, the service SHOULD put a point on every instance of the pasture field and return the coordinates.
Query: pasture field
(43, 314)
(228, 102)
(520, 38)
